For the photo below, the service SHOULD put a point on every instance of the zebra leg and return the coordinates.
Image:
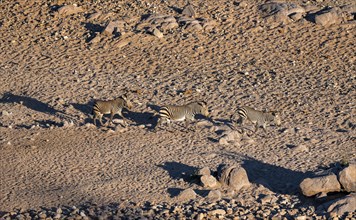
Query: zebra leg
(123, 118)
(256, 127)
(94, 120)
(159, 122)
(264, 126)
(101, 120)
(112, 114)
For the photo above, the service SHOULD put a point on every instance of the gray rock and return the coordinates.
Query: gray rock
(343, 205)
(347, 178)
(217, 212)
(186, 195)
(69, 10)
(328, 17)
(214, 195)
(313, 186)
(268, 199)
(189, 11)
(230, 137)
(114, 27)
(296, 16)
(157, 33)
(300, 148)
(5, 113)
(234, 177)
(204, 171)
(208, 181)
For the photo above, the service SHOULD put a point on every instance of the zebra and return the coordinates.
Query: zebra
(185, 113)
(111, 107)
(258, 118)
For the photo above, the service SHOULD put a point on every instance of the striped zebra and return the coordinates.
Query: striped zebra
(111, 107)
(258, 118)
(185, 113)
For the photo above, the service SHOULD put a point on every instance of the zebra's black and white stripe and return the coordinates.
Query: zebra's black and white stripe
(186, 113)
(258, 118)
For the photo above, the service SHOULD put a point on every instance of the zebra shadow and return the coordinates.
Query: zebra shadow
(30, 103)
(42, 124)
(86, 109)
(140, 118)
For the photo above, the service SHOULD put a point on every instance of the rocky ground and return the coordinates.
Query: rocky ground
(56, 57)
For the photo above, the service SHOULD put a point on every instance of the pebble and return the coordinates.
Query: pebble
(217, 212)
(5, 113)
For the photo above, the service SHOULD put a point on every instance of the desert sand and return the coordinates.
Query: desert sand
(54, 63)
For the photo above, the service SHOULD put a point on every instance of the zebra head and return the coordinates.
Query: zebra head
(276, 118)
(203, 108)
(127, 103)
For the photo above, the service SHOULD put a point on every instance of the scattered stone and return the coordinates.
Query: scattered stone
(158, 21)
(343, 205)
(89, 125)
(214, 195)
(204, 171)
(243, 4)
(278, 12)
(296, 16)
(300, 148)
(118, 121)
(200, 216)
(328, 17)
(189, 11)
(69, 10)
(187, 195)
(114, 27)
(230, 137)
(5, 113)
(313, 186)
(347, 178)
(267, 199)
(120, 129)
(234, 177)
(157, 33)
(217, 212)
(208, 25)
(122, 43)
(208, 181)
(67, 124)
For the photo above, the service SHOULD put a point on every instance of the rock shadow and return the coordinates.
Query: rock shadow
(178, 171)
(176, 9)
(275, 178)
(30, 103)
(173, 192)
(311, 16)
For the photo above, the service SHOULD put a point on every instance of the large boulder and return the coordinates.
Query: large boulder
(347, 178)
(234, 177)
(323, 184)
